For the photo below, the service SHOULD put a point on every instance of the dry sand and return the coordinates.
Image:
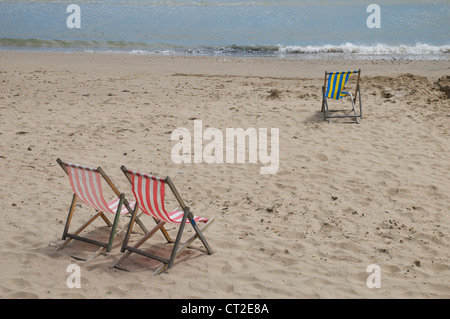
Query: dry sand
(345, 196)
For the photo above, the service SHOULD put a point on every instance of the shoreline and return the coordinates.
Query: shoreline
(432, 69)
(347, 50)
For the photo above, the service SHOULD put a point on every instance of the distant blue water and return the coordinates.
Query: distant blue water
(219, 27)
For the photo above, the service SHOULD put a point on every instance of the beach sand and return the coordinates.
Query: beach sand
(345, 196)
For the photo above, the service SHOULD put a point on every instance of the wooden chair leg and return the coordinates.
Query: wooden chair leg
(128, 250)
(188, 242)
(78, 231)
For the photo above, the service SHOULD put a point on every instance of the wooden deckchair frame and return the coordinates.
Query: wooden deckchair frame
(104, 246)
(325, 109)
(177, 246)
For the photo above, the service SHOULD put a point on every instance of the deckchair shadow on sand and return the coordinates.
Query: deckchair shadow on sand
(86, 185)
(333, 88)
(149, 192)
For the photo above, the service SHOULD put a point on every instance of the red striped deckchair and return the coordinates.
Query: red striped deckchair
(333, 88)
(149, 192)
(86, 185)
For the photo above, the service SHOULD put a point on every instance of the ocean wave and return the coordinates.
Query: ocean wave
(377, 49)
(31, 42)
(130, 47)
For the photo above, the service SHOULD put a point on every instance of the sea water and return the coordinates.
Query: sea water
(409, 29)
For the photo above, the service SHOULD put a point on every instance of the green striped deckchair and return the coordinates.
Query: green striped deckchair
(334, 88)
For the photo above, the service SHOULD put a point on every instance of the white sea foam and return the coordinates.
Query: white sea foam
(377, 49)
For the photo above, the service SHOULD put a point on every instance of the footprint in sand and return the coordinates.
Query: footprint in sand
(322, 157)
(281, 186)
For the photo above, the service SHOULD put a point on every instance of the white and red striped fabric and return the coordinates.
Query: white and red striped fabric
(86, 184)
(149, 192)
